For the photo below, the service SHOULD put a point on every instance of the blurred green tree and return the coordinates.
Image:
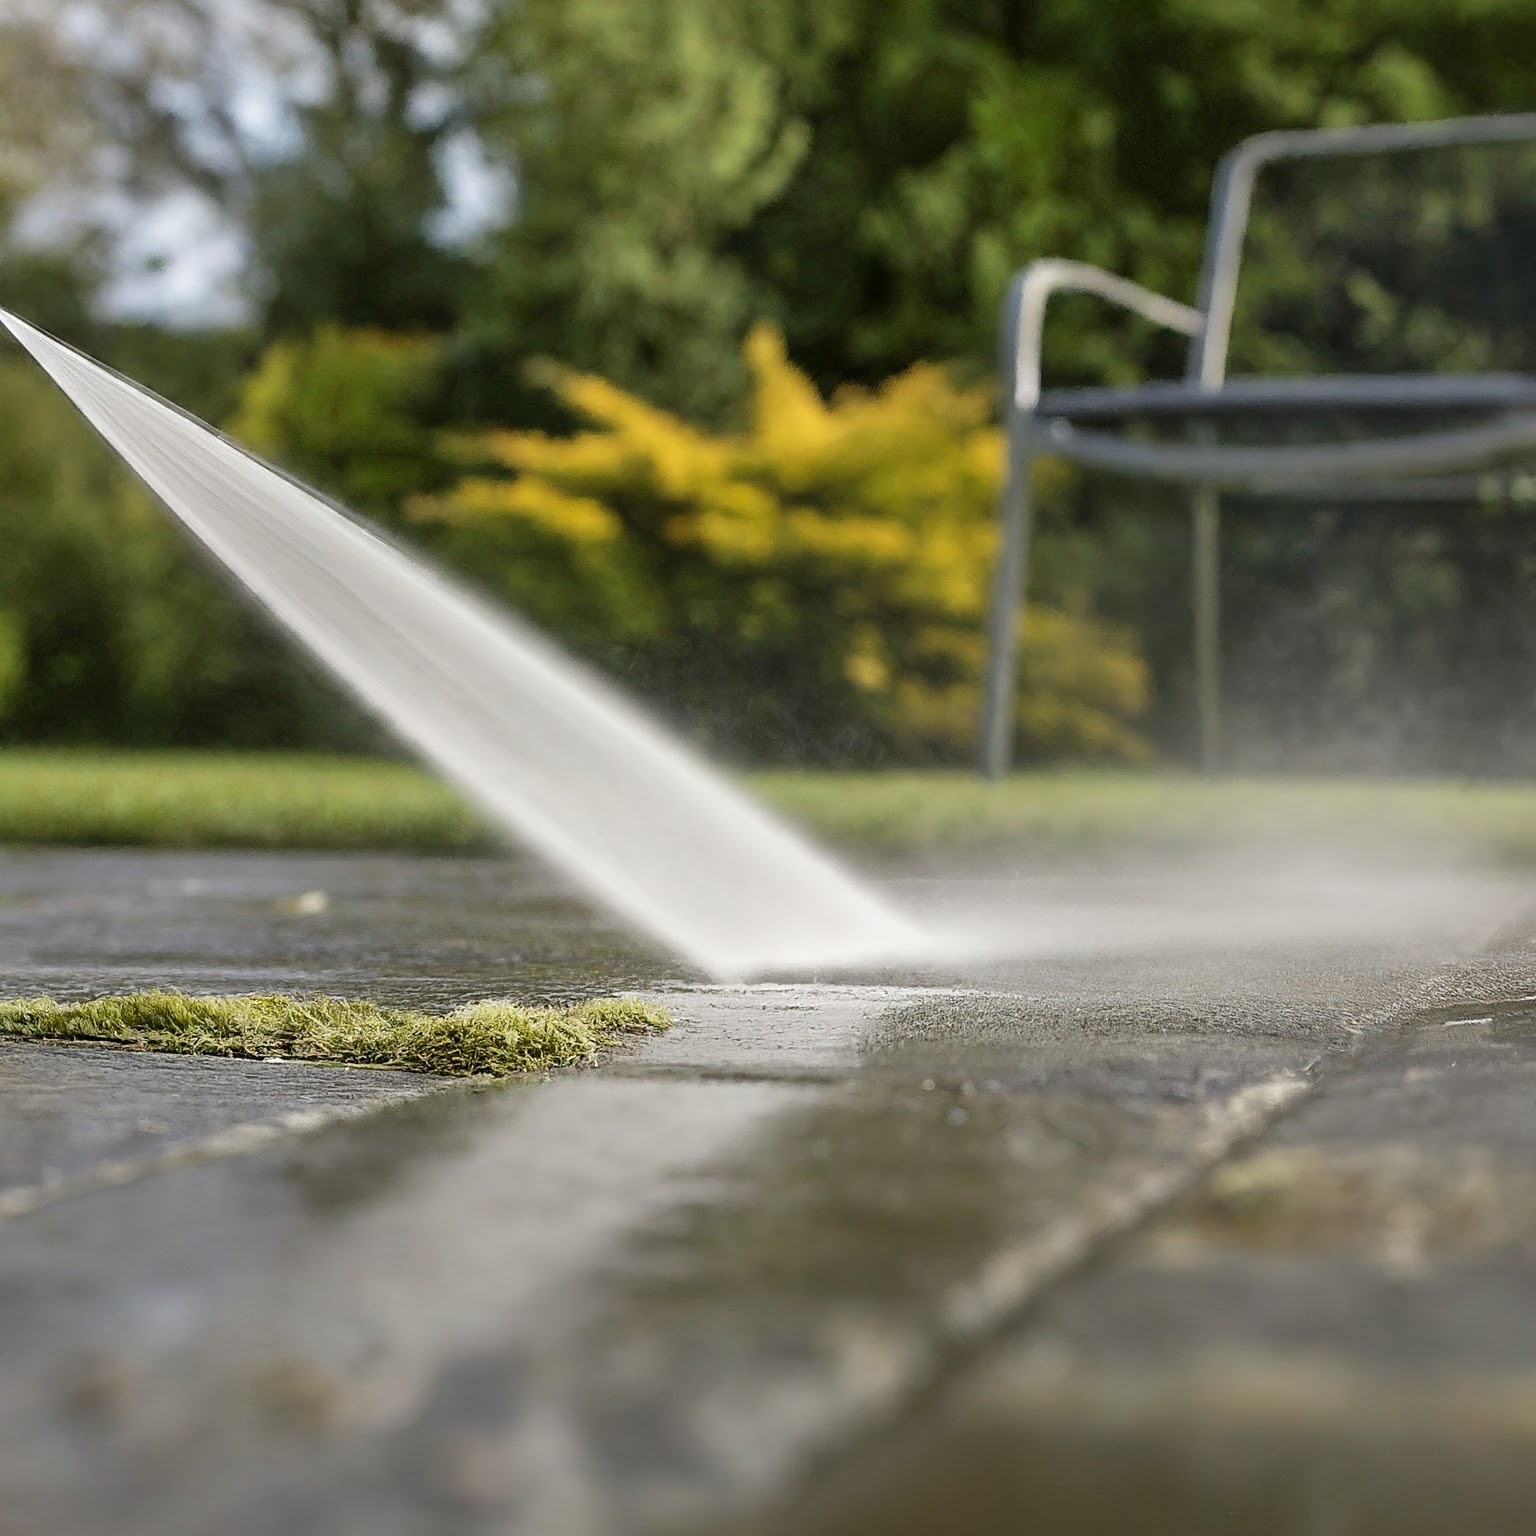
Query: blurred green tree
(869, 172)
(646, 137)
(864, 173)
(343, 227)
(112, 627)
(316, 128)
(349, 412)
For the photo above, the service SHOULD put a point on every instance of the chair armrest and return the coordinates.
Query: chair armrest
(1034, 287)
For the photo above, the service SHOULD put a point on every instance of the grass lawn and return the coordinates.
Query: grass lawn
(194, 799)
(227, 800)
(479, 1039)
(1086, 810)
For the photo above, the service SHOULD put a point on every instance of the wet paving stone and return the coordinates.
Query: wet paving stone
(659, 1294)
(425, 932)
(1331, 1331)
(68, 1109)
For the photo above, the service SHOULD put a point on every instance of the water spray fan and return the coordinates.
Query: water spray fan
(548, 749)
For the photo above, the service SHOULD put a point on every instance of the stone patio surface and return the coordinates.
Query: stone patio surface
(1208, 1209)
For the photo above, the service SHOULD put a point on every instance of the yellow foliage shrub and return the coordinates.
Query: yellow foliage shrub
(812, 586)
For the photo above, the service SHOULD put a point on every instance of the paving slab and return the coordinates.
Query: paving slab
(660, 1294)
(75, 1112)
(1330, 1332)
(412, 931)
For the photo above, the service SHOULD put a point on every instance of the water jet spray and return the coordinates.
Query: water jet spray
(552, 752)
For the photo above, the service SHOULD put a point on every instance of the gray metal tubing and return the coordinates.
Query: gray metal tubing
(996, 754)
(1232, 199)
(1206, 367)
(1254, 396)
(1208, 324)
(1205, 600)
(1262, 468)
(1032, 293)
(1023, 331)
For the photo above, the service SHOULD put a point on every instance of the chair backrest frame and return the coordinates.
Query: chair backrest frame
(1232, 201)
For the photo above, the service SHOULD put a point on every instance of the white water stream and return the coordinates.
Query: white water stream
(552, 752)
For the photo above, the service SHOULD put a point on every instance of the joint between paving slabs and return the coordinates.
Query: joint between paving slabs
(230, 1141)
(958, 1347)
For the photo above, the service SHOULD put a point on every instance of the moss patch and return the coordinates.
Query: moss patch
(478, 1039)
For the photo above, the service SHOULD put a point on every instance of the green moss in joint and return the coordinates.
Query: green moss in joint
(488, 1038)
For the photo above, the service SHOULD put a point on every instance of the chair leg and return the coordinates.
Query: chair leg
(1206, 598)
(996, 752)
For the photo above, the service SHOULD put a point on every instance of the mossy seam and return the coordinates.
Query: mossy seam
(491, 1038)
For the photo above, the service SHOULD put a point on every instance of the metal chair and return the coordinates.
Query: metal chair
(1428, 436)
